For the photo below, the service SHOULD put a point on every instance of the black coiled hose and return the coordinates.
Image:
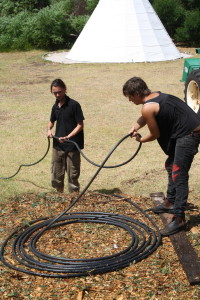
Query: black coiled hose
(144, 241)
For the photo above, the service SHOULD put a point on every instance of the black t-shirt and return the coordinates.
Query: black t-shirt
(67, 116)
(175, 120)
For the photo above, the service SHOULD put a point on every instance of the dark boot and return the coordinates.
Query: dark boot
(177, 224)
(166, 207)
(60, 190)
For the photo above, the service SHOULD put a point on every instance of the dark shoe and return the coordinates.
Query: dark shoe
(162, 208)
(176, 225)
(75, 191)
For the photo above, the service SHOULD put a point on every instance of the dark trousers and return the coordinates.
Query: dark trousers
(178, 165)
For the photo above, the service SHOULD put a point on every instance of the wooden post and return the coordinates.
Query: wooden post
(186, 253)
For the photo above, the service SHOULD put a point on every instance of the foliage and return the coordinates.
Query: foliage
(180, 18)
(49, 29)
(54, 24)
(12, 7)
(186, 4)
(190, 4)
(14, 27)
(53, 27)
(171, 14)
(189, 33)
(91, 4)
(78, 22)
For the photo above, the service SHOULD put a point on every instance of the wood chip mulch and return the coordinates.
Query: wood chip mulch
(159, 276)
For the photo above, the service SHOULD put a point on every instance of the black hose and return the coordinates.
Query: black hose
(144, 241)
(29, 165)
(78, 148)
(97, 165)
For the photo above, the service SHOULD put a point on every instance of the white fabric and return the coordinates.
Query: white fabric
(123, 31)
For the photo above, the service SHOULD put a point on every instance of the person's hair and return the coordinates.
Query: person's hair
(58, 82)
(136, 86)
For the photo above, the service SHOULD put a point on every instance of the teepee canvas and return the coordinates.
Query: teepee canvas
(123, 31)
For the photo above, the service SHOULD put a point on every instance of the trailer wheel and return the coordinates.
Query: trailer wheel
(192, 90)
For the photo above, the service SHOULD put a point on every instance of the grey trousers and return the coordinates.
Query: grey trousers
(68, 162)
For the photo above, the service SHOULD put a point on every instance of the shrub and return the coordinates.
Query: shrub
(90, 5)
(50, 29)
(12, 32)
(46, 24)
(78, 22)
(171, 13)
(189, 33)
(12, 7)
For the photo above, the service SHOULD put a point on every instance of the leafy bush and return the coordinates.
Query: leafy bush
(12, 7)
(189, 33)
(12, 32)
(54, 24)
(49, 29)
(78, 22)
(190, 4)
(90, 5)
(171, 13)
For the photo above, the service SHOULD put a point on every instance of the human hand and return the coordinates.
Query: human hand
(133, 132)
(138, 137)
(63, 139)
(49, 133)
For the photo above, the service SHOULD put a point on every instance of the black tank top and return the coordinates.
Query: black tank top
(175, 119)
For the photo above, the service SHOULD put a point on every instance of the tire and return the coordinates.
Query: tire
(192, 90)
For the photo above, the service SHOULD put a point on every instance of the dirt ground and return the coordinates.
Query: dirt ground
(158, 276)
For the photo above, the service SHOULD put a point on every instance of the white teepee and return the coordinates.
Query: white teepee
(123, 31)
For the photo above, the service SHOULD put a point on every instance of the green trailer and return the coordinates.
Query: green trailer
(191, 77)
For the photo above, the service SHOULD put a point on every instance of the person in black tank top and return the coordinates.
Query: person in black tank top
(177, 129)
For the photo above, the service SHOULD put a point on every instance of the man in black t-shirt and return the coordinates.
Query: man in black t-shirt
(68, 115)
(177, 129)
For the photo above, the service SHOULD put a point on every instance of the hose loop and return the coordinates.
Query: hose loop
(97, 165)
(29, 165)
(144, 240)
(81, 152)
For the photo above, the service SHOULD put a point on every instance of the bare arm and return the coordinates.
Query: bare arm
(141, 122)
(49, 128)
(149, 112)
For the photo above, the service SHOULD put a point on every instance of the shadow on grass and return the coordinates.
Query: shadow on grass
(109, 192)
(31, 182)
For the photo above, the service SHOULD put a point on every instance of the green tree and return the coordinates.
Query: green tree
(189, 33)
(12, 32)
(50, 29)
(91, 4)
(190, 4)
(171, 13)
(12, 7)
(181, 19)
